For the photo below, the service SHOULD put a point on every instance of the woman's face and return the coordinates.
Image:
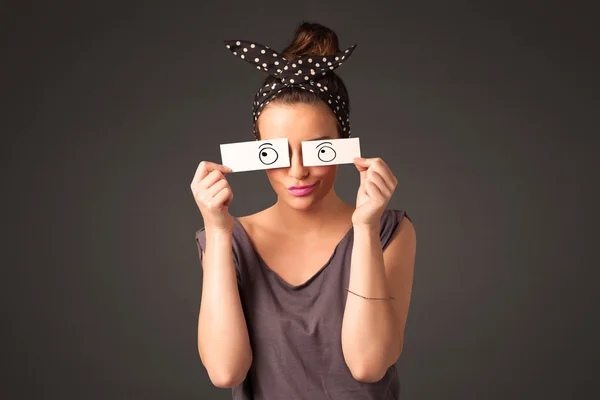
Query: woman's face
(299, 122)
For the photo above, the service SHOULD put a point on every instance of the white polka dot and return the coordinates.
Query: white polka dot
(279, 70)
(299, 61)
(253, 45)
(237, 43)
(294, 65)
(329, 63)
(245, 49)
(258, 67)
(264, 64)
(263, 51)
(276, 62)
(291, 81)
(306, 78)
(324, 59)
(340, 63)
(243, 56)
(274, 54)
(318, 84)
(325, 87)
(317, 65)
(329, 101)
(228, 46)
(337, 58)
(285, 67)
(332, 68)
(299, 72)
(235, 53)
(312, 71)
(346, 51)
(343, 57)
(310, 60)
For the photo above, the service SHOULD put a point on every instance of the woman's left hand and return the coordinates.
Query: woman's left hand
(377, 185)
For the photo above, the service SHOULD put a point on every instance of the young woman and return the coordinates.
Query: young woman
(307, 299)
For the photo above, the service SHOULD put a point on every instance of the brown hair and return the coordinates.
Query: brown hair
(311, 39)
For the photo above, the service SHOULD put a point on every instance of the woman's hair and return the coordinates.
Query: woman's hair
(311, 39)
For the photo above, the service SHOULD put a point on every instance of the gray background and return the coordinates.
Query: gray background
(484, 112)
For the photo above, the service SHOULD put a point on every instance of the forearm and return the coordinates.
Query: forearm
(369, 333)
(223, 341)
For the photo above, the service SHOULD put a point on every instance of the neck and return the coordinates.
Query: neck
(317, 218)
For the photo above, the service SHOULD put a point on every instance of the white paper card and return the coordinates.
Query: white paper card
(330, 151)
(256, 155)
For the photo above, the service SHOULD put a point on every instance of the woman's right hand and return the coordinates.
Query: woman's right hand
(213, 195)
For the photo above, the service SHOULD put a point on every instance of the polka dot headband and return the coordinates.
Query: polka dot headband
(303, 72)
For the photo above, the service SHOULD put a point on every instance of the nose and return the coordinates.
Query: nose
(297, 170)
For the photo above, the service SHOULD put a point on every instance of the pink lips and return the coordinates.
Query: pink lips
(301, 190)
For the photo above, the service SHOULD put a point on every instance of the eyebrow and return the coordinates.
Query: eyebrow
(320, 138)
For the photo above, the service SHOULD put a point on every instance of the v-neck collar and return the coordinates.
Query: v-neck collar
(283, 281)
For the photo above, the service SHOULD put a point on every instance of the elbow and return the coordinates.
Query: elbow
(227, 377)
(374, 370)
(367, 371)
(227, 380)
(367, 374)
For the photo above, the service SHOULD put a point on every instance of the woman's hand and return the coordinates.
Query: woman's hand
(377, 185)
(213, 195)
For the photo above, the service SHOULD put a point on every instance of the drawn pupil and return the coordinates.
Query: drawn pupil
(327, 158)
(265, 157)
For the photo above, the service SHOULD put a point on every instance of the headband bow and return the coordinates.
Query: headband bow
(303, 72)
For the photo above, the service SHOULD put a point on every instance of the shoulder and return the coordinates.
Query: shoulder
(395, 225)
(403, 233)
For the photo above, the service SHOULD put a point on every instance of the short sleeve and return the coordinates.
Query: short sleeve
(201, 245)
(390, 221)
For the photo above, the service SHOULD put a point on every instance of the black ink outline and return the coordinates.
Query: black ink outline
(267, 148)
(318, 152)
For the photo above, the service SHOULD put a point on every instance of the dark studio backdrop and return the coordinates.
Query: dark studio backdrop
(485, 113)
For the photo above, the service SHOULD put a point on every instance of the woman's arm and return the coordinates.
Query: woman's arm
(223, 342)
(373, 330)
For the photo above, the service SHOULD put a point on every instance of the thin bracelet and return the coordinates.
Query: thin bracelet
(370, 298)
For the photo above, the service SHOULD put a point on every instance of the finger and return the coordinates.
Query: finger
(201, 172)
(374, 192)
(382, 169)
(216, 188)
(207, 166)
(211, 178)
(360, 163)
(221, 199)
(384, 187)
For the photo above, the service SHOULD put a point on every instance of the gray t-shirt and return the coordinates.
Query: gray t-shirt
(295, 331)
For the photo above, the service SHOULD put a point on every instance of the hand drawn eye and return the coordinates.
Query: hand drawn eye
(326, 154)
(267, 155)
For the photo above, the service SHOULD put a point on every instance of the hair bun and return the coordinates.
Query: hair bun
(312, 39)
